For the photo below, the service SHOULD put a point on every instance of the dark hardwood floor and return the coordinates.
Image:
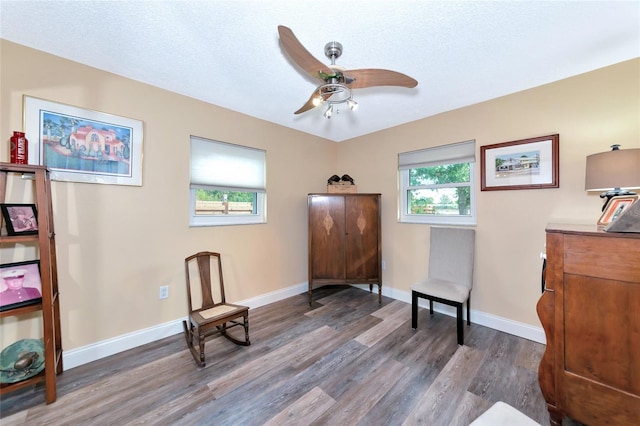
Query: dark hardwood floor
(344, 361)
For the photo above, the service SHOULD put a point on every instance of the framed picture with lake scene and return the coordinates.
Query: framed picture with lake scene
(524, 164)
(82, 145)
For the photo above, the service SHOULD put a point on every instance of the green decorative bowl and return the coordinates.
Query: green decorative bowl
(21, 360)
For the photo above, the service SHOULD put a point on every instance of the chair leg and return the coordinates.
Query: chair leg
(430, 307)
(459, 323)
(189, 336)
(469, 311)
(246, 330)
(414, 310)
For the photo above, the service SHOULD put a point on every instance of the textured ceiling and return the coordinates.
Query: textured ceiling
(227, 53)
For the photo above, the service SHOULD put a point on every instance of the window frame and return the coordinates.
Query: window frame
(404, 187)
(260, 215)
(228, 219)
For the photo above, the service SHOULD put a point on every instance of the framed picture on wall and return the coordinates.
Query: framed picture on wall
(20, 284)
(21, 219)
(81, 145)
(523, 164)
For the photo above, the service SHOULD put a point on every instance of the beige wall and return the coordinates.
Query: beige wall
(118, 244)
(590, 112)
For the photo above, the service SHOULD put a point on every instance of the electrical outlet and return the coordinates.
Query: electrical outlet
(384, 265)
(164, 292)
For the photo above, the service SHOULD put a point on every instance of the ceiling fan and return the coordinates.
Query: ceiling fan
(337, 82)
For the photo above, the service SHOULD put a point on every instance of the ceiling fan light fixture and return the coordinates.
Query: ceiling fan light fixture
(329, 112)
(334, 94)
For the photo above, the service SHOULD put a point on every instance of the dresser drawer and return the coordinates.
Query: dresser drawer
(609, 258)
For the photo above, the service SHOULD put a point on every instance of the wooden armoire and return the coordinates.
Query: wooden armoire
(345, 240)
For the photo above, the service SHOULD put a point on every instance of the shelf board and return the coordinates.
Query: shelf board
(21, 168)
(9, 387)
(21, 310)
(6, 239)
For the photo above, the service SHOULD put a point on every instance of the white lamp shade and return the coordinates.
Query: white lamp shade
(613, 169)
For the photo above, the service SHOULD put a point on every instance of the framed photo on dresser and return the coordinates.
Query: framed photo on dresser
(616, 206)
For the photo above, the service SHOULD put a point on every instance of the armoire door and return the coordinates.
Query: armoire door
(362, 237)
(327, 237)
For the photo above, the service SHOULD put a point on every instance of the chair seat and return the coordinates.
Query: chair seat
(221, 310)
(442, 289)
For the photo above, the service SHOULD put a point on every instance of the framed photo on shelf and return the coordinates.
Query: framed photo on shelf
(21, 219)
(82, 145)
(615, 207)
(523, 164)
(20, 284)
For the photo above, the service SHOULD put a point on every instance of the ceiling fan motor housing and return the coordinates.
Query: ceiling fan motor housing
(333, 50)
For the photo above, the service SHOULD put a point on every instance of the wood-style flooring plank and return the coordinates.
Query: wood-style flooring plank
(343, 360)
(388, 325)
(469, 409)
(432, 351)
(355, 404)
(442, 398)
(284, 355)
(303, 411)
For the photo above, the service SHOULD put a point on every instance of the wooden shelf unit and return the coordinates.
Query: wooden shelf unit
(50, 305)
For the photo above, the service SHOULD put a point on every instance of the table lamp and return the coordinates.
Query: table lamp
(614, 172)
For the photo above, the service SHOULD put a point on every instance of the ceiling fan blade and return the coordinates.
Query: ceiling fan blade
(370, 77)
(300, 55)
(309, 104)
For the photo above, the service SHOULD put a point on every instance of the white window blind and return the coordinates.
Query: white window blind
(461, 152)
(226, 167)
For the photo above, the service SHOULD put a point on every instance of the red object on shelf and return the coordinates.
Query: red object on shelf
(19, 148)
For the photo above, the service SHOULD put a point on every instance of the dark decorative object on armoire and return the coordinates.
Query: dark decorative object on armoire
(345, 240)
(333, 179)
(347, 178)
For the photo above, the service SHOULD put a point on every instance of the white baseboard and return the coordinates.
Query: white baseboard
(76, 357)
(506, 325)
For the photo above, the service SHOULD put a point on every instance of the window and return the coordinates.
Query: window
(227, 184)
(437, 185)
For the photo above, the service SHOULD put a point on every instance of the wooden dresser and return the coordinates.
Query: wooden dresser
(590, 312)
(345, 240)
